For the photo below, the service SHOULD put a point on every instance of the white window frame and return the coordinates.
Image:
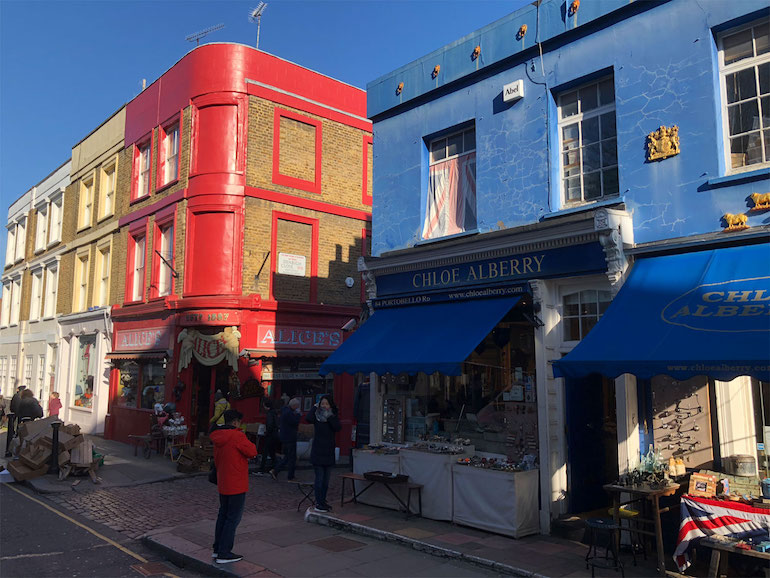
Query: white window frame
(172, 154)
(726, 70)
(103, 268)
(41, 227)
(16, 285)
(107, 194)
(139, 267)
(28, 370)
(578, 119)
(4, 375)
(36, 298)
(568, 292)
(145, 170)
(86, 204)
(41, 376)
(13, 372)
(10, 247)
(165, 279)
(54, 230)
(81, 280)
(21, 239)
(5, 319)
(51, 288)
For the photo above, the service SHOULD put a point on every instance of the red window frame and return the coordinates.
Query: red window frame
(280, 216)
(366, 194)
(138, 230)
(160, 173)
(147, 141)
(162, 219)
(286, 180)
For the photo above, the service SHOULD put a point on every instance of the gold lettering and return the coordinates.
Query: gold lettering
(726, 311)
(504, 269)
(707, 296)
(683, 312)
(759, 296)
(492, 270)
(472, 274)
(415, 280)
(751, 310)
(539, 262)
(455, 275)
(426, 280)
(226, 316)
(515, 266)
(733, 296)
(445, 276)
(699, 312)
(527, 264)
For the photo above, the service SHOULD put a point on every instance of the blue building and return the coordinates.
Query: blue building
(573, 168)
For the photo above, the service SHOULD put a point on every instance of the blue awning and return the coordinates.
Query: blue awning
(420, 338)
(704, 313)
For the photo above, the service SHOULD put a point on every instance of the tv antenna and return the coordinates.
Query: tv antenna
(198, 35)
(255, 15)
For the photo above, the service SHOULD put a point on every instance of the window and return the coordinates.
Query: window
(54, 234)
(107, 189)
(21, 238)
(588, 142)
(137, 269)
(142, 385)
(36, 300)
(13, 373)
(81, 282)
(170, 153)
(103, 275)
(28, 371)
(451, 203)
(51, 282)
(581, 311)
(166, 261)
(3, 375)
(86, 202)
(745, 68)
(15, 300)
(142, 171)
(85, 372)
(40, 377)
(10, 248)
(41, 228)
(6, 315)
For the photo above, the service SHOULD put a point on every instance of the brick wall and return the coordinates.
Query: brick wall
(297, 149)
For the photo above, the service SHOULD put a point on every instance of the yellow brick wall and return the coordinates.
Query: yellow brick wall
(293, 238)
(297, 149)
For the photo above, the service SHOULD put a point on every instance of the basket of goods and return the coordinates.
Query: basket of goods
(385, 477)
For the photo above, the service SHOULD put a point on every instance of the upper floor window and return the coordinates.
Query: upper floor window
(170, 153)
(6, 314)
(36, 299)
(451, 202)
(15, 300)
(581, 311)
(54, 232)
(103, 264)
(51, 286)
(166, 261)
(28, 371)
(107, 189)
(81, 281)
(136, 273)
(21, 238)
(3, 373)
(41, 228)
(10, 248)
(85, 208)
(745, 68)
(588, 142)
(142, 171)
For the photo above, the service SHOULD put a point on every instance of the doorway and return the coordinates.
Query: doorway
(202, 397)
(592, 441)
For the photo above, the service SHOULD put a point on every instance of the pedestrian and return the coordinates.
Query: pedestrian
(287, 431)
(15, 400)
(54, 404)
(221, 405)
(232, 452)
(272, 441)
(29, 407)
(326, 424)
(3, 403)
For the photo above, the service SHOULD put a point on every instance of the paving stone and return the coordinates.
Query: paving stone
(337, 544)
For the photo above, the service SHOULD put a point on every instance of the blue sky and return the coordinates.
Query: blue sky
(66, 66)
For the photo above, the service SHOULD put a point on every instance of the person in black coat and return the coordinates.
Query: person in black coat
(272, 441)
(288, 424)
(29, 407)
(326, 424)
(15, 401)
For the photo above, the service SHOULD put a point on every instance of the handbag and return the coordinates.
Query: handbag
(213, 474)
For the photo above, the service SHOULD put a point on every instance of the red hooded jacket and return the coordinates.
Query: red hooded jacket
(232, 451)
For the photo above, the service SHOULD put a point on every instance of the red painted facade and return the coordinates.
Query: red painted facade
(214, 82)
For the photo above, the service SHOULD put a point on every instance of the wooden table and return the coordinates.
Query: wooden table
(651, 495)
(718, 565)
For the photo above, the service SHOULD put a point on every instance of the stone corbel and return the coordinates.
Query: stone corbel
(609, 225)
(370, 283)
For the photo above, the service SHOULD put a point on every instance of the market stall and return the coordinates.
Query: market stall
(380, 460)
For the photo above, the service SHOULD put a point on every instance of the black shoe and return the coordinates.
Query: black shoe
(322, 508)
(227, 558)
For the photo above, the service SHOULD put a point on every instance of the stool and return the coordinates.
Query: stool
(637, 542)
(603, 532)
(307, 490)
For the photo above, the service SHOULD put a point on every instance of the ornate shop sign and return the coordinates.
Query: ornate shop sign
(663, 143)
(287, 337)
(211, 317)
(209, 349)
(145, 339)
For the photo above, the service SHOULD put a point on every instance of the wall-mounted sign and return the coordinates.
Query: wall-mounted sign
(286, 337)
(144, 339)
(289, 375)
(513, 91)
(210, 317)
(443, 297)
(289, 264)
(209, 349)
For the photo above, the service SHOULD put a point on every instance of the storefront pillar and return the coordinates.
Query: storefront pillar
(735, 417)
(628, 423)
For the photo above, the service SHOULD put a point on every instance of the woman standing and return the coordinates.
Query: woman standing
(326, 424)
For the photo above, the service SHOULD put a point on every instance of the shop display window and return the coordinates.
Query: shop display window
(85, 372)
(142, 385)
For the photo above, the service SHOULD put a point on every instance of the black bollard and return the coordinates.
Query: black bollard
(54, 467)
(9, 434)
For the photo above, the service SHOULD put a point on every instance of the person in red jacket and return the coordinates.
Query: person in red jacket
(232, 451)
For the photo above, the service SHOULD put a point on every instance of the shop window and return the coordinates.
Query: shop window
(86, 203)
(41, 228)
(588, 142)
(36, 299)
(85, 372)
(745, 72)
(451, 202)
(169, 154)
(107, 188)
(51, 283)
(142, 160)
(581, 311)
(142, 384)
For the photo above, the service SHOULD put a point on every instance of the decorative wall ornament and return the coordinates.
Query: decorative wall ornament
(612, 244)
(522, 32)
(209, 349)
(476, 53)
(574, 7)
(399, 88)
(663, 143)
(761, 201)
(436, 70)
(732, 222)
(370, 283)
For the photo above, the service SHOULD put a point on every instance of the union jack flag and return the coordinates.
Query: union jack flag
(702, 517)
(451, 197)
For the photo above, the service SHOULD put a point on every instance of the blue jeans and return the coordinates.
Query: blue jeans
(230, 512)
(289, 459)
(321, 484)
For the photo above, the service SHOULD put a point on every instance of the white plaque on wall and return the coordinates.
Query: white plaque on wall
(289, 264)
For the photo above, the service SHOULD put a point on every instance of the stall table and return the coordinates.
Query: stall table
(371, 461)
(434, 472)
(495, 500)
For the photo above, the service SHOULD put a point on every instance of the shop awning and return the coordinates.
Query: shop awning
(134, 356)
(420, 338)
(704, 313)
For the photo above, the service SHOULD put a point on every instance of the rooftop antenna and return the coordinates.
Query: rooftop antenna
(255, 15)
(198, 35)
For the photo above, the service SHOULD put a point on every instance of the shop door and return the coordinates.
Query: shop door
(202, 401)
(592, 443)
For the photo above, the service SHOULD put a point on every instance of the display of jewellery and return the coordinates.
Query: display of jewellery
(490, 464)
(437, 447)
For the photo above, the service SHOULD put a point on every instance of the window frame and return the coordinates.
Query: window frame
(80, 289)
(578, 118)
(51, 290)
(36, 294)
(41, 358)
(7, 292)
(137, 182)
(55, 227)
(21, 240)
(28, 370)
(724, 71)
(110, 166)
(15, 300)
(86, 201)
(10, 247)
(42, 213)
(162, 222)
(135, 234)
(163, 132)
(103, 297)
(579, 291)
(278, 177)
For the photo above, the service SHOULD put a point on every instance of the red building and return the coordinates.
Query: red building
(245, 199)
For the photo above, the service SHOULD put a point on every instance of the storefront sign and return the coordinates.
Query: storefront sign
(209, 349)
(276, 337)
(211, 317)
(572, 260)
(291, 264)
(480, 293)
(142, 339)
(290, 375)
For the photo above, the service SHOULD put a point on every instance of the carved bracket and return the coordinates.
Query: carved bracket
(609, 228)
(370, 283)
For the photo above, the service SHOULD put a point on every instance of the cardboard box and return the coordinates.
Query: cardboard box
(703, 485)
(31, 428)
(20, 472)
(66, 441)
(82, 454)
(35, 456)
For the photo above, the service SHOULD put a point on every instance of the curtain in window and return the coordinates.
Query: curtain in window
(451, 197)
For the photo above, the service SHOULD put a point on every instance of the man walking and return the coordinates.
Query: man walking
(288, 426)
(232, 451)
